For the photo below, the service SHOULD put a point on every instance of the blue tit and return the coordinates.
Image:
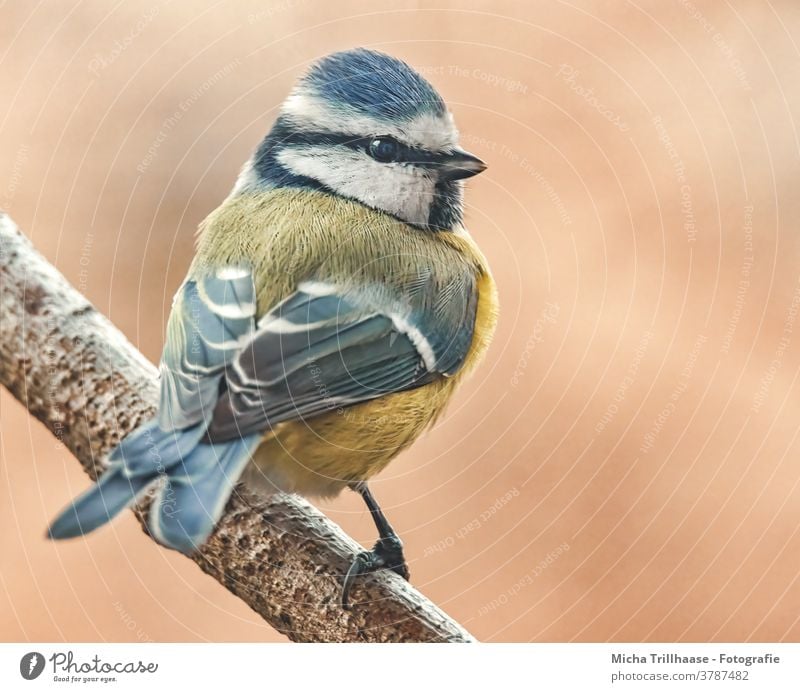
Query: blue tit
(334, 304)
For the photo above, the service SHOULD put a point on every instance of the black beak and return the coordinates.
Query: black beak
(459, 164)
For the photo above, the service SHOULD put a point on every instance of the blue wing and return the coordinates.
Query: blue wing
(328, 346)
(210, 322)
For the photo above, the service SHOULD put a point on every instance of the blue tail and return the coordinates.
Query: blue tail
(196, 480)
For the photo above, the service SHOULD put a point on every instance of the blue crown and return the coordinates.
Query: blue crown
(375, 84)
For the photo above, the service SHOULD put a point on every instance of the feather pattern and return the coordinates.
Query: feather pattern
(324, 347)
(313, 353)
(210, 320)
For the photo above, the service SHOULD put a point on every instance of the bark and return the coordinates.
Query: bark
(81, 378)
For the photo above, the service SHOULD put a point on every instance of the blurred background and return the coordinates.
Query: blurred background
(625, 464)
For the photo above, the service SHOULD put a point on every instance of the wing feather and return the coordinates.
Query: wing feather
(211, 317)
(324, 347)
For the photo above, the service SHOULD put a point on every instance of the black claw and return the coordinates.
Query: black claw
(387, 553)
(361, 565)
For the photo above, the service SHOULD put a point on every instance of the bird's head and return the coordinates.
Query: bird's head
(365, 126)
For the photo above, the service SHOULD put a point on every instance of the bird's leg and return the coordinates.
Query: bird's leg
(387, 553)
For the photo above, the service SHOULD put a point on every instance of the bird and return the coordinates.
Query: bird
(334, 303)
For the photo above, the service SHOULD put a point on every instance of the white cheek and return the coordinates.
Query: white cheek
(403, 191)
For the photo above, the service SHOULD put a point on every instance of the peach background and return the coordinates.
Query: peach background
(697, 537)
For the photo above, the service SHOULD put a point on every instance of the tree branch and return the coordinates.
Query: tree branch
(79, 375)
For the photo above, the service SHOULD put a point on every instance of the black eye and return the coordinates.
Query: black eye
(384, 149)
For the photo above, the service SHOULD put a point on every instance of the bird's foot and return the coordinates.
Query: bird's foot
(387, 553)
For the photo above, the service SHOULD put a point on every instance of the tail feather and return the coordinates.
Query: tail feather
(189, 506)
(196, 481)
(103, 501)
(149, 450)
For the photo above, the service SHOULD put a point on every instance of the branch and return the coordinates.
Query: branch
(79, 375)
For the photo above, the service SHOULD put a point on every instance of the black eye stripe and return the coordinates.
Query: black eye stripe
(408, 154)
